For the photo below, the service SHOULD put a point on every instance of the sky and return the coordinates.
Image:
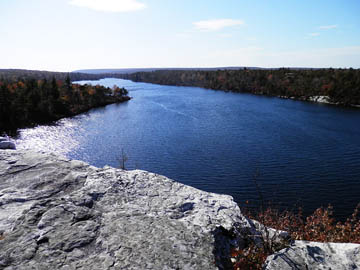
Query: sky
(66, 35)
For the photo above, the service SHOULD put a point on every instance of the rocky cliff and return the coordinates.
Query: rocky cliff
(62, 214)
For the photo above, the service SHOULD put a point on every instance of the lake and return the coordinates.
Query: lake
(299, 153)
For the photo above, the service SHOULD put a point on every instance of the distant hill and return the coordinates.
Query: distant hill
(117, 71)
(134, 70)
(23, 74)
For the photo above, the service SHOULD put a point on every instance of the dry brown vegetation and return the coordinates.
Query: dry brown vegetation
(320, 227)
(342, 86)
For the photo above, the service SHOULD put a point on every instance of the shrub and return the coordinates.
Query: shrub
(320, 227)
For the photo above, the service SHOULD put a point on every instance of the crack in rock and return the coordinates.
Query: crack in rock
(62, 214)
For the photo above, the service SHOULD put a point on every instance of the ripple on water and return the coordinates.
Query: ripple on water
(61, 137)
(299, 152)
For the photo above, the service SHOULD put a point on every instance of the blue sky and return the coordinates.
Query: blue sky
(65, 35)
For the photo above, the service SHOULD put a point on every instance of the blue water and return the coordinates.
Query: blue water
(300, 153)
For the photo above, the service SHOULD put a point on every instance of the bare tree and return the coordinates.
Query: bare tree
(122, 159)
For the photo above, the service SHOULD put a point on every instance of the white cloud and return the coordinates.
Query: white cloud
(109, 5)
(214, 25)
(327, 27)
(314, 34)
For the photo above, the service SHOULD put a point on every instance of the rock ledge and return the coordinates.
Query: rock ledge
(62, 214)
(57, 213)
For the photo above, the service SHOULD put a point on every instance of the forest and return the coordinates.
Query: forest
(28, 97)
(32, 98)
(342, 86)
(22, 74)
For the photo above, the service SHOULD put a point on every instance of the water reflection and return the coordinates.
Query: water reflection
(305, 153)
(60, 137)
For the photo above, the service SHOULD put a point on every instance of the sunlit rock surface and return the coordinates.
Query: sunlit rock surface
(305, 255)
(61, 214)
(320, 99)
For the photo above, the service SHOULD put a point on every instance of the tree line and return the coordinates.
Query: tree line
(23, 74)
(342, 86)
(27, 101)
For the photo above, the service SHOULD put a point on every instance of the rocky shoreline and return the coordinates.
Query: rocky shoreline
(319, 99)
(5, 143)
(57, 213)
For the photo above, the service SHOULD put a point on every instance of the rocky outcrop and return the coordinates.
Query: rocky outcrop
(6, 144)
(320, 99)
(303, 255)
(61, 214)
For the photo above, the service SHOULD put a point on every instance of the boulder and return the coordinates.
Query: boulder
(304, 255)
(62, 214)
(7, 144)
